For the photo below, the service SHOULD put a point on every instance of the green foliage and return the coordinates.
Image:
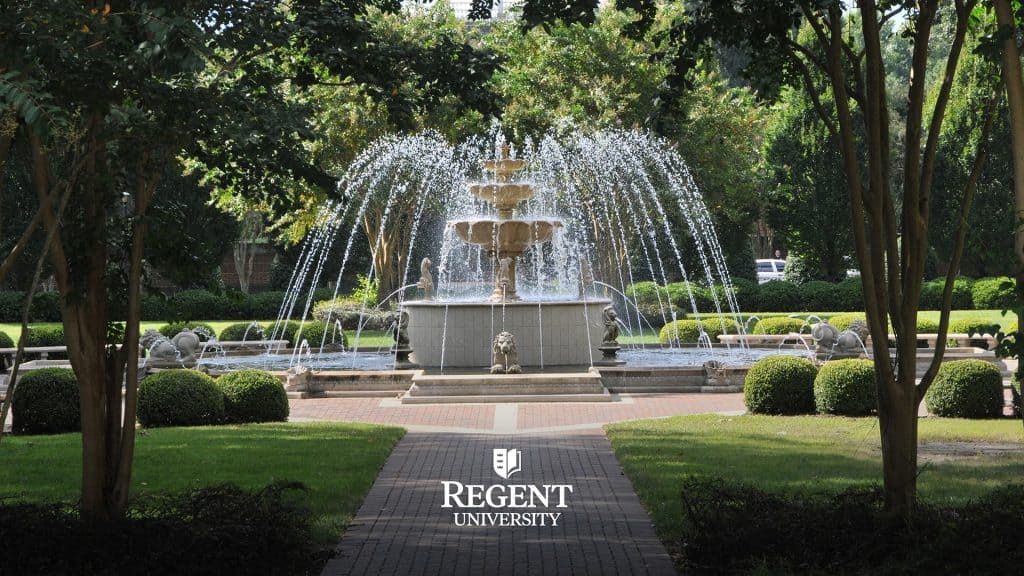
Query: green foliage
(680, 293)
(966, 389)
(45, 307)
(994, 293)
(926, 326)
(931, 294)
(974, 326)
(778, 296)
(850, 294)
(6, 341)
(253, 396)
(780, 385)
(316, 332)
(45, 336)
(171, 330)
(843, 321)
(265, 305)
(10, 305)
(349, 311)
(746, 292)
(779, 325)
(197, 303)
(821, 296)
(46, 401)
(846, 387)
(179, 398)
(688, 331)
(241, 330)
(153, 307)
(807, 202)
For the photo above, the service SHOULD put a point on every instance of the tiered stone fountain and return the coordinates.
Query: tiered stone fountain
(548, 333)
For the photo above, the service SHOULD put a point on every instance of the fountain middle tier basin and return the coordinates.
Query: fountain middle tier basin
(506, 237)
(549, 333)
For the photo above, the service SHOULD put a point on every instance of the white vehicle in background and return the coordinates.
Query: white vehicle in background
(769, 269)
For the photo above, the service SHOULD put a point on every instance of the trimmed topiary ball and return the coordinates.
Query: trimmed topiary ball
(779, 325)
(780, 385)
(687, 331)
(203, 330)
(846, 387)
(966, 389)
(6, 341)
(994, 293)
(253, 396)
(316, 332)
(46, 401)
(843, 321)
(242, 331)
(179, 397)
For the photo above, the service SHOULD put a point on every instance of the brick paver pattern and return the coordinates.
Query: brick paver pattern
(402, 528)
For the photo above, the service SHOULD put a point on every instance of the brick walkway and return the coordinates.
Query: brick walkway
(402, 528)
(508, 418)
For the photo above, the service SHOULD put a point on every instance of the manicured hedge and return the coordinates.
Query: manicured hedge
(350, 313)
(820, 296)
(10, 305)
(253, 396)
(6, 341)
(265, 305)
(47, 336)
(931, 294)
(780, 385)
(846, 387)
(966, 389)
(179, 397)
(45, 307)
(46, 401)
(687, 331)
(994, 293)
(778, 296)
(779, 325)
(843, 321)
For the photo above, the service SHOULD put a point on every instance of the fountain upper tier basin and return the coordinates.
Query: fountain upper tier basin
(506, 237)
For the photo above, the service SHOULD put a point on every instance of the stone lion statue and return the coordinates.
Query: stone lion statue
(158, 346)
(506, 357)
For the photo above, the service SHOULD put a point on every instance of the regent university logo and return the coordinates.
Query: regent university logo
(505, 505)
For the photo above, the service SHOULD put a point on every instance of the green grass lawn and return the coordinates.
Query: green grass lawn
(337, 462)
(798, 454)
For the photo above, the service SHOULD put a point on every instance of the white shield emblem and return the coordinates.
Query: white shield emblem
(507, 461)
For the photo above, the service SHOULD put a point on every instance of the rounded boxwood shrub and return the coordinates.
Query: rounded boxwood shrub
(285, 331)
(242, 330)
(253, 396)
(646, 294)
(313, 333)
(171, 330)
(966, 389)
(994, 293)
(974, 326)
(780, 385)
(843, 321)
(779, 325)
(926, 326)
(688, 331)
(820, 296)
(846, 387)
(39, 336)
(778, 296)
(179, 397)
(6, 341)
(703, 297)
(46, 401)
(931, 294)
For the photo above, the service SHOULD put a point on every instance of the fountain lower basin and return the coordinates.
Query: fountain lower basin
(547, 333)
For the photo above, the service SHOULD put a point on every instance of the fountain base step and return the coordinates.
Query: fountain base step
(551, 387)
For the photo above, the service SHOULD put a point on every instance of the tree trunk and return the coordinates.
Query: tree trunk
(1015, 100)
(897, 422)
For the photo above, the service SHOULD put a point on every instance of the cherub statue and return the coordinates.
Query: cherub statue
(611, 325)
(426, 280)
(399, 328)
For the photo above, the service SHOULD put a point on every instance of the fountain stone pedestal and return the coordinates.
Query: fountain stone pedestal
(459, 334)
